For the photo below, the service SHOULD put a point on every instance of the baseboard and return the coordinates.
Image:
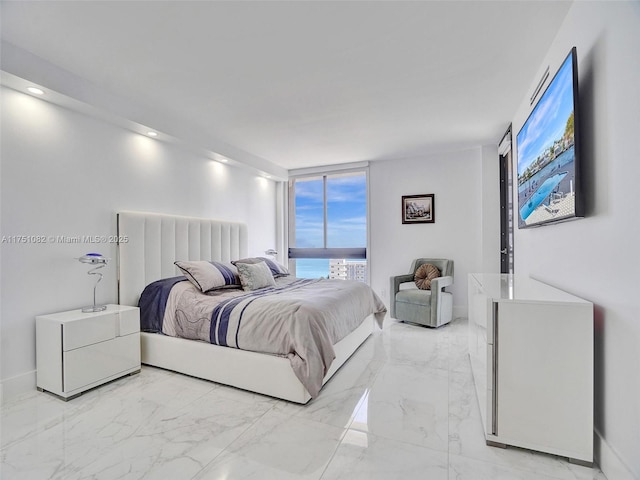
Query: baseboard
(610, 462)
(10, 388)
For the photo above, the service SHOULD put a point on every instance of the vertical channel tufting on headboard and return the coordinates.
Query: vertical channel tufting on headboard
(150, 243)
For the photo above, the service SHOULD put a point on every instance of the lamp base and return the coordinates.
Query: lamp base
(94, 308)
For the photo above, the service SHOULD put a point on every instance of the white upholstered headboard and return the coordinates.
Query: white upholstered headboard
(150, 243)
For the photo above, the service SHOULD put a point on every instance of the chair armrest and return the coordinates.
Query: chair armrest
(437, 287)
(398, 280)
(395, 288)
(437, 284)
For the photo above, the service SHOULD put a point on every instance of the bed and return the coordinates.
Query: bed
(148, 246)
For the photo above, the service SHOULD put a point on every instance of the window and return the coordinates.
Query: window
(328, 226)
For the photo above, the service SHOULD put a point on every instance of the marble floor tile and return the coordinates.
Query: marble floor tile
(417, 345)
(35, 411)
(364, 456)
(404, 406)
(457, 329)
(179, 443)
(277, 446)
(459, 346)
(30, 414)
(409, 404)
(95, 422)
(462, 468)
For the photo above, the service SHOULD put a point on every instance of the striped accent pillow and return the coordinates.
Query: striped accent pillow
(210, 275)
(277, 270)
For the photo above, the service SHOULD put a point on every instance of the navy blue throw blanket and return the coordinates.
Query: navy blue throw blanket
(153, 302)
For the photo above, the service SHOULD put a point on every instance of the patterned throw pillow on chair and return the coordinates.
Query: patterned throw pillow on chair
(424, 274)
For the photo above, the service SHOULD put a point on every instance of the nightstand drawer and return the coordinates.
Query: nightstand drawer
(94, 328)
(97, 363)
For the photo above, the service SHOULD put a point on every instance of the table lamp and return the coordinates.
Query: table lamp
(100, 262)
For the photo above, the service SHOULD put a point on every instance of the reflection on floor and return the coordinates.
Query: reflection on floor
(403, 407)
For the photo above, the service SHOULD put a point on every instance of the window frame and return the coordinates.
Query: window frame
(351, 253)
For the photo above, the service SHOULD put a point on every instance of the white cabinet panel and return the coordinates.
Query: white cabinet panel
(76, 351)
(545, 375)
(538, 376)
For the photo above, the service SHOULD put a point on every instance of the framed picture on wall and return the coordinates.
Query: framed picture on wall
(418, 208)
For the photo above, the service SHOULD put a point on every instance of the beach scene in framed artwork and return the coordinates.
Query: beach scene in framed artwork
(418, 208)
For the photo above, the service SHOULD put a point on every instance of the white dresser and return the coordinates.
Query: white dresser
(531, 352)
(76, 351)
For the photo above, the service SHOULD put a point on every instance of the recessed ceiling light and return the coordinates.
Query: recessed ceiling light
(267, 176)
(35, 90)
(223, 160)
(152, 134)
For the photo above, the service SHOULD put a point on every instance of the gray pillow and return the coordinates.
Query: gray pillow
(254, 276)
(277, 270)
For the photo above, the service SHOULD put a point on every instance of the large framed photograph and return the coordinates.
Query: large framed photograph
(418, 208)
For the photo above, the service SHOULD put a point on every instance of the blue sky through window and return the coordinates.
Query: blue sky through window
(309, 213)
(346, 211)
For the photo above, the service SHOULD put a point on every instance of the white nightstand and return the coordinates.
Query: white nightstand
(76, 351)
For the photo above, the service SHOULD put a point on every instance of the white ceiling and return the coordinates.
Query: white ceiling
(305, 83)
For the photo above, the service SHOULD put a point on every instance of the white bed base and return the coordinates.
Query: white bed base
(153, 243)
(257, 372)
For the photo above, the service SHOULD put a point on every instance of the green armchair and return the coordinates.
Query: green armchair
(431, 308)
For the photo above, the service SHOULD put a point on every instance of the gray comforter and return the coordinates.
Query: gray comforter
(300, 319)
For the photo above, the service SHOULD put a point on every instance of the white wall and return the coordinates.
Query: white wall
(597, 257)
(64, 173)
(455, 179)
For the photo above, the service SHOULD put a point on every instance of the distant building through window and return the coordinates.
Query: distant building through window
(343, 269)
